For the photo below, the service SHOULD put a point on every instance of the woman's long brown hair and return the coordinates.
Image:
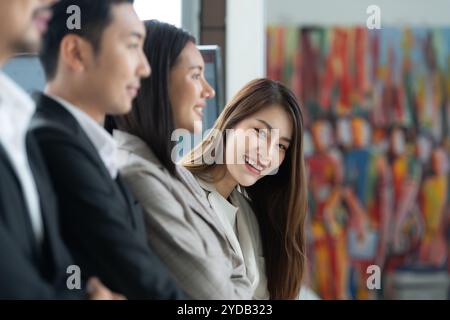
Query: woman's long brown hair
(279, 201)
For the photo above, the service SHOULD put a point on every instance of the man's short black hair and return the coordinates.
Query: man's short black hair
(96, 15)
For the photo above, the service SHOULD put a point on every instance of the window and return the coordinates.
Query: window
(166, 11)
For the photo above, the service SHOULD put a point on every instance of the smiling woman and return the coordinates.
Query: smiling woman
(259, 194)
(168, 10)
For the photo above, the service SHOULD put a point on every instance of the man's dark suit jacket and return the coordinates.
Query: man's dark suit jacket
(29, 270)
(102, 224)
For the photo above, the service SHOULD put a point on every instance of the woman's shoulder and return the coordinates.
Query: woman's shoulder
(134, 155)
(143, 172)
(133, 164)
(132, 144)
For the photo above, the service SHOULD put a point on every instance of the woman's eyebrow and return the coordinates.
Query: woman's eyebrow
(286, 139)
(196, 67)
(268, 126)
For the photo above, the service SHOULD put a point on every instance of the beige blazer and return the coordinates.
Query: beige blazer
(182, 228)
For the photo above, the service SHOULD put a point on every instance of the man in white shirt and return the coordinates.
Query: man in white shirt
(33, 257)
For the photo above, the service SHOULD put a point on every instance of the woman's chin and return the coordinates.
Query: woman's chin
(197, 127)
(247, 181)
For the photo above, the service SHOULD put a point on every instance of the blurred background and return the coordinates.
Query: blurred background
(377, 144)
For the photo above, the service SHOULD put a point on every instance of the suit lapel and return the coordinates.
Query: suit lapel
(48, 206)
(18, 186)
(55, 111)
(129, 202)
(7, 161)
(196, 199)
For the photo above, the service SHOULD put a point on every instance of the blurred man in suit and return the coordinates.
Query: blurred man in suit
(93, 71)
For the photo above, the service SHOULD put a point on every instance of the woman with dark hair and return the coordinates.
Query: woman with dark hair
(182, 228)
(257, 184)
(173, 97)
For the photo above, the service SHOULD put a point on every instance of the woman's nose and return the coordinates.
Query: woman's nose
(208, 91)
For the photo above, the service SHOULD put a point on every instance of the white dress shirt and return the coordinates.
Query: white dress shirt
(16, 111)
(100, 138)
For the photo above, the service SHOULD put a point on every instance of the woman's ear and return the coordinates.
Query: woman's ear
(75, 53)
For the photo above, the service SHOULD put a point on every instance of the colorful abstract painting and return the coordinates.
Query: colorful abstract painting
(377, 146)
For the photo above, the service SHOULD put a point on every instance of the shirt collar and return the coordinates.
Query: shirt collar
(228, 207)
(100, 138)
(208, 186)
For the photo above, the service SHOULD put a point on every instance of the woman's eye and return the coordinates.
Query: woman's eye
(261, 132)
(134, 46)
(196, 76)
(282, 147)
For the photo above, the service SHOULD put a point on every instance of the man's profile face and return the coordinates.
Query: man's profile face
(112, 77)
(22, 24)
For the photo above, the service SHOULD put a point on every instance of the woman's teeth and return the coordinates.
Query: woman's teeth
(199, 110)
(253, 164)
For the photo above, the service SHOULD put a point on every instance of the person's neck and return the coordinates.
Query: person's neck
(226, 184)
(77, 101)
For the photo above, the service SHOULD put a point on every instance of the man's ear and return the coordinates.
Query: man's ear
(76, 53)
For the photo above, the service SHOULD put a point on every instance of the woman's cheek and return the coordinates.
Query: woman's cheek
(232, 150)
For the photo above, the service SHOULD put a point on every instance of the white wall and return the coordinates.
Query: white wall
(167, 10)
(246, 43)
(332, 12)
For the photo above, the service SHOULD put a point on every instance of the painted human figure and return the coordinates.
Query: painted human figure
(362, 236)
(329, 252)
(433, 194)
(380, 201)
(406, 224)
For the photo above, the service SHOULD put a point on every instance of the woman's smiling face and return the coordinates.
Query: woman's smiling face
(257, 145)
(189, 90)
